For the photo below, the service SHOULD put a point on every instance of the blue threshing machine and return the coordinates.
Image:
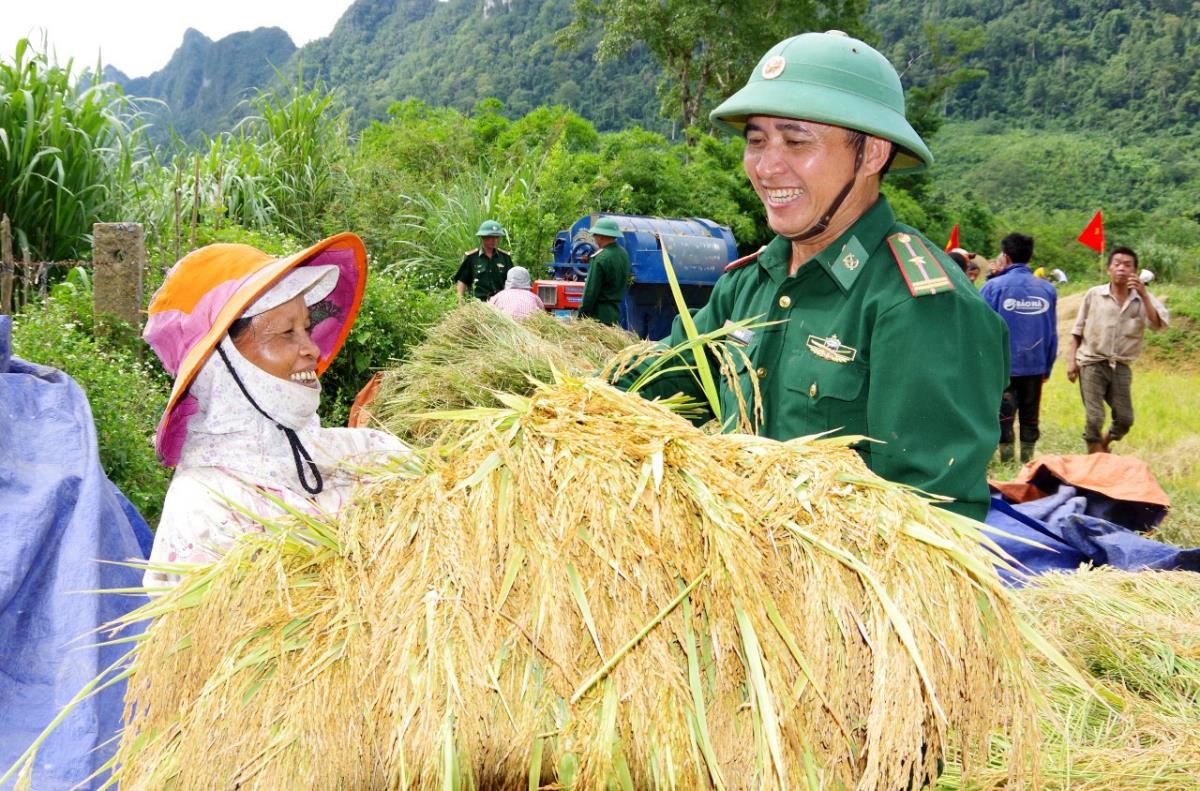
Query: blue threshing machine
(699, 250)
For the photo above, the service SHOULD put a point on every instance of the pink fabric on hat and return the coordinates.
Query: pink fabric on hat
(325, 332)
(172, 429)
(171, 333)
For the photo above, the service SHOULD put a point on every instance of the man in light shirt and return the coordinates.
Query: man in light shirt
(1106, 339)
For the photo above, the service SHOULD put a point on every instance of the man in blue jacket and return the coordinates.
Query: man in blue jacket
(1028, 305)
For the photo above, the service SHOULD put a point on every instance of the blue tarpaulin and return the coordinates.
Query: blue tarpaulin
(60, 519)
(1071, 535)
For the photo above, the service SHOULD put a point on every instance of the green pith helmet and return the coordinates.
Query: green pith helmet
(833, 79)
(606, 226)
(490, 228)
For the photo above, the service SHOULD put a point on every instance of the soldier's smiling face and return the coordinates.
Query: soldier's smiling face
(797, 168)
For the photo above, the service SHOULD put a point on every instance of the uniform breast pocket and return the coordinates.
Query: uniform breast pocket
(824, 395)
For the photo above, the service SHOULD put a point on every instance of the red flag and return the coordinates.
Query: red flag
(950, 245)
(1093, 234)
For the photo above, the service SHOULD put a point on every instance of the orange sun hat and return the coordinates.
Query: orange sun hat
(210, 288)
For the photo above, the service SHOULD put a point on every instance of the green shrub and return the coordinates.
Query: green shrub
(127, 393)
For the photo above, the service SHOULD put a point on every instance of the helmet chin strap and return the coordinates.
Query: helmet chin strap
(820, 225)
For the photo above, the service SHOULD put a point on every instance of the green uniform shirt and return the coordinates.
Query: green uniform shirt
(607, 282)
(857, 353)
(485, 274)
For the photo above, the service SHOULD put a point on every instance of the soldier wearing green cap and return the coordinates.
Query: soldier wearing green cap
(485, 267)
(877, 333)
(608, 275)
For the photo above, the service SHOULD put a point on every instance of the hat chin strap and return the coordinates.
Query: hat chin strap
(822, 224)
(300, 454)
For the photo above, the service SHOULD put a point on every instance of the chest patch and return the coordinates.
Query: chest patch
(919, 266)
(831, 349)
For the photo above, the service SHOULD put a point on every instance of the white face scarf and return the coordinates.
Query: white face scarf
(229, 433)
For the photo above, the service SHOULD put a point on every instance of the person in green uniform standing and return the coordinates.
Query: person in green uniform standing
(485, 267)
(877, 332)
(608, 275)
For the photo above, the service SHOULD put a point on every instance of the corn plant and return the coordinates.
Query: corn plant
(302, 146)
(67, 150)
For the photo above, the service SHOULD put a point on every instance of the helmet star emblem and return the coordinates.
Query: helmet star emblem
(774, 67)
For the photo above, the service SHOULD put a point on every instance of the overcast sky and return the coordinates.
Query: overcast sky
(138, 36)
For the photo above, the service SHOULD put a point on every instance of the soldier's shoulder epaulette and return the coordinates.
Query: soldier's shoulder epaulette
(471, 252)
(505, 252)
(922, 272)
(739, 263)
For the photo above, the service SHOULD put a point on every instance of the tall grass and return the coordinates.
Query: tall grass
(304, 144)
(531, 195)
(280, 170)
(67, 149)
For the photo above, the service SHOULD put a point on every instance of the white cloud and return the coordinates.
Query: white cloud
(138, 36)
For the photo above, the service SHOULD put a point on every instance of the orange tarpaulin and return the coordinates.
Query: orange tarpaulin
(360, 415)
(1124, 478)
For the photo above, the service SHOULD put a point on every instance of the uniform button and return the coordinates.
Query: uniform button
(812, 390)
(785, 302)
(762, 373)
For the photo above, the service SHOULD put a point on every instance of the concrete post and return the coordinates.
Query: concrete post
(118, 259)
(6, 267)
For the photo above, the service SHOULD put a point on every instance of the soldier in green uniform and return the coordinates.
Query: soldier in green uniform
(879, 334)
(608, 275)
(486, 266)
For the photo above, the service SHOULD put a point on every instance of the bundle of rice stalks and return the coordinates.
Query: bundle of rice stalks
(476, 352)
(1138, 637)
(586, 591)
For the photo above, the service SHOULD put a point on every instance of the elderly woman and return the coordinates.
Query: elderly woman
(517, 300)
(246, 337)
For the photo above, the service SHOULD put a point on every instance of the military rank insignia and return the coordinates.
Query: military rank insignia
(831, 349)
(920, 267)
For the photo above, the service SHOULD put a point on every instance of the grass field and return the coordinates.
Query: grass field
(1166, 403)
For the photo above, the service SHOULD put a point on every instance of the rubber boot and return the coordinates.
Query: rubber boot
(1026, 452)
(1006, 451)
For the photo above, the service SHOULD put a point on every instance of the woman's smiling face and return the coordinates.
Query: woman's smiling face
(277, 341)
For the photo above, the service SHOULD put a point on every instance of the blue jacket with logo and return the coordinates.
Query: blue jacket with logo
(1028, 305)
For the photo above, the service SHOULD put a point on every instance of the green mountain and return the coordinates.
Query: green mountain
(451, 53)
(1122, 65)
(204, 81)
(459, 52)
